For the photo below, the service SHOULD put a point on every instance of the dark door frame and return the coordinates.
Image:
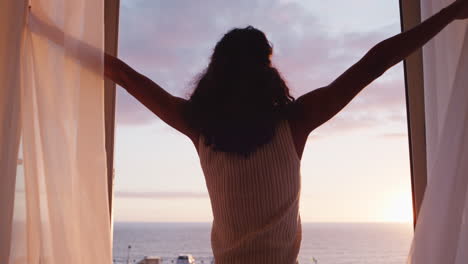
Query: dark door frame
(410, 16)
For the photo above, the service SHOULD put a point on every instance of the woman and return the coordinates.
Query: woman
(250, 133)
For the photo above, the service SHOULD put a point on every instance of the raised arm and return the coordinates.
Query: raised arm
(167, 107)
(318, 106)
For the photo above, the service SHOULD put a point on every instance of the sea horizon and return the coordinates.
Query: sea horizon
(325, 242)
(303, 222)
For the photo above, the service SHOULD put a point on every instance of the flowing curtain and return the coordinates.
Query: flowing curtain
(11, 28)
(441, 234)
(56, 206)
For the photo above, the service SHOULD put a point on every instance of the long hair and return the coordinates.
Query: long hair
(240, 97)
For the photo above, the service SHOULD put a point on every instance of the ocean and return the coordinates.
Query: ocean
(327, 243)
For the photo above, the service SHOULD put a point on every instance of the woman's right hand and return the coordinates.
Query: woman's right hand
(462, 6)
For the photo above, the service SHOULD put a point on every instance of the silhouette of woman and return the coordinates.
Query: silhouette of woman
(250, 133)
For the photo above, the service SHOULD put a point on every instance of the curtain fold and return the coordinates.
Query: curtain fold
(60, 212)
(11, 30)
(441, 234)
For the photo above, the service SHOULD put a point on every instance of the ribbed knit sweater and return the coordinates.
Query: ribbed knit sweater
(255, 201)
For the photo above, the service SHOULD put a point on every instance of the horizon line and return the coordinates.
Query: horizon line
(303, 222)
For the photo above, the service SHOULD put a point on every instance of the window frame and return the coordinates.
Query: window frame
(410, 16)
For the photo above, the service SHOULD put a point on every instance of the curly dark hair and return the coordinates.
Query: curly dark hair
(240, 97)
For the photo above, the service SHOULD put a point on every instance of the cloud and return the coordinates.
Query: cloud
(380, 105)
(131, 112)
(160, 195)
(349, 123)
(171, 41)
(388, 96)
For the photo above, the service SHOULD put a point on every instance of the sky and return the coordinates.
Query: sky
(355, 168)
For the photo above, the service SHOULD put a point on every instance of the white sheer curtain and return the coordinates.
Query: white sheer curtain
(61, 212)
(441, 234)
(11, 26)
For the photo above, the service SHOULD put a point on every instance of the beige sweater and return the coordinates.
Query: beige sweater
(255, 202)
